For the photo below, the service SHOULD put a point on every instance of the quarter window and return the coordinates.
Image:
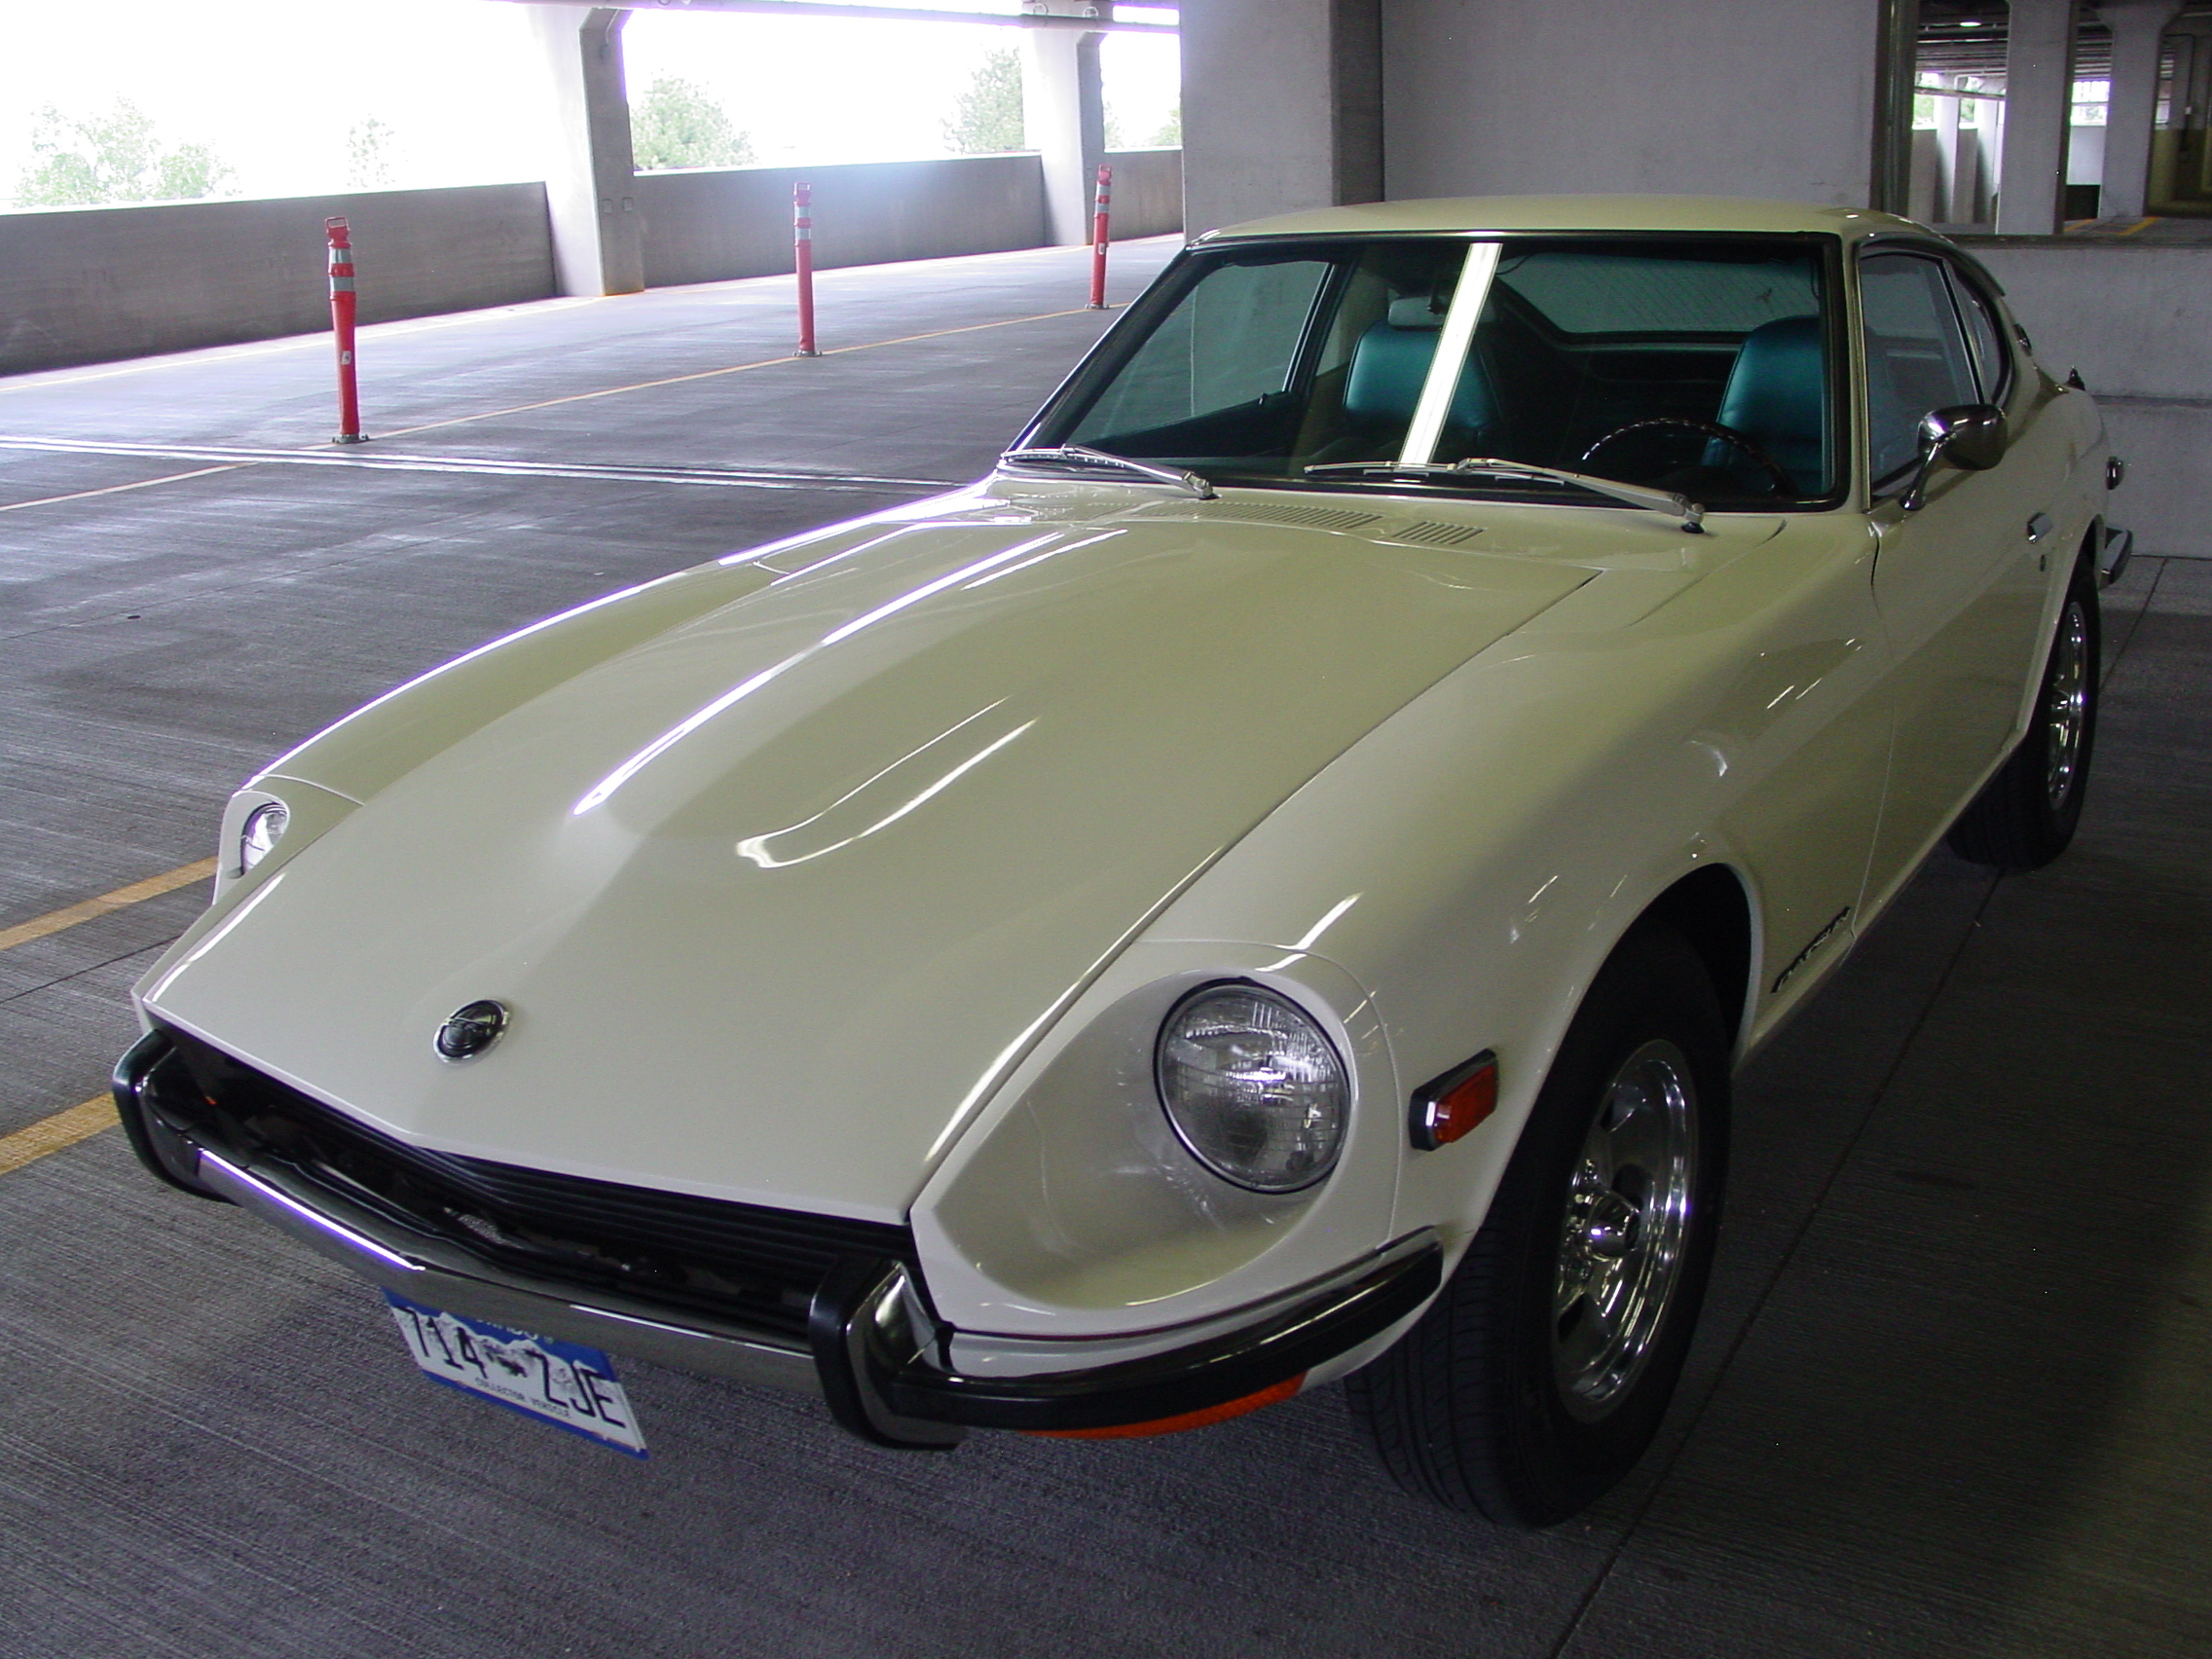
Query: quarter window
(1983, 337)
(1916, 355)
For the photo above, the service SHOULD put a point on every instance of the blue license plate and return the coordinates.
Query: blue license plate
(561, 1382)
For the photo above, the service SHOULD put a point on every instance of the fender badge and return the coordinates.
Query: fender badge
(469, 1031)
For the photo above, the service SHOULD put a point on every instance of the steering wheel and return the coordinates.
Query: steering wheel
(1773, 468)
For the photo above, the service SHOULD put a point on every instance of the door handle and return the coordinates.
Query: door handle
(2039, 527)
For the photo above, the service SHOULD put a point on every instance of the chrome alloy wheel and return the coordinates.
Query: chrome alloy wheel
(2066, 703)
(1628, 1215)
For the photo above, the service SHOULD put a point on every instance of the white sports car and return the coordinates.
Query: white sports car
(1269, 886)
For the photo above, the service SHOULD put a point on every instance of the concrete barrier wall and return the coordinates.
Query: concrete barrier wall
(2136, 319)
(1148, 192)
(714, 224)
(89, 285)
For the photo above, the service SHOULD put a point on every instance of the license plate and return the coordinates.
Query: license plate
(560, 1382)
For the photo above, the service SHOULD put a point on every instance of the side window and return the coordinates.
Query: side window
(1916, 356)
(1991, 364)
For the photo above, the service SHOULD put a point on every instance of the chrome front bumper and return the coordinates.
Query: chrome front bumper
(888, 1369)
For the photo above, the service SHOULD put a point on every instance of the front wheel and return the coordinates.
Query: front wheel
(1539, 1375)
(2026, 814)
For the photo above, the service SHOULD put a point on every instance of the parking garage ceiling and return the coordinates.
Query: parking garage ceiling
(1968, 37)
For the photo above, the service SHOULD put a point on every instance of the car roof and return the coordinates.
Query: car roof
(1463, 213)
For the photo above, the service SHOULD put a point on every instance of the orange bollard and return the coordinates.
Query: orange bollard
(342, 310)
(1098, 240)
(803, 250)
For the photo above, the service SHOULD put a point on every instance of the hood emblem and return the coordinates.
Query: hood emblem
(469, 1031)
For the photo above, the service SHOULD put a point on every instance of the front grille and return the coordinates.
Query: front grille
(749, 1263)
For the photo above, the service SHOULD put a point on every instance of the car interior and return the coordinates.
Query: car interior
(1666, 366)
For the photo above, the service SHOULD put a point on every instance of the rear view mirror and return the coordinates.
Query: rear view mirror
(1969, 435)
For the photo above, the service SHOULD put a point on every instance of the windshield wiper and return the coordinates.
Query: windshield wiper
(1690, 512)
(1081, 458)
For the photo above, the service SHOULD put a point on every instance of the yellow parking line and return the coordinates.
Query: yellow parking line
(50, 1134)
(153, 887)
(116, 489)
(2140, 224)
(731, 369)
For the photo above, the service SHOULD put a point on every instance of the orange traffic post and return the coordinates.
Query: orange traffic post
(342, 308)
(1098, 240)
(802, 249)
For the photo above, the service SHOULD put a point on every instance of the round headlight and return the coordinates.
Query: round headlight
(1253, 1087)
(264, 827)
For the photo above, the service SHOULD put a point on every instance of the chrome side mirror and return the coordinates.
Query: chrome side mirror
(1971, 435)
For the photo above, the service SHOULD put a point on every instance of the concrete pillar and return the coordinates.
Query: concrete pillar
(1063, 116)
(597, 241)
(1282, 107)
(2186, 162)
(2039, 106)
(1889, 173)
(1946, 211)
(2137, 26)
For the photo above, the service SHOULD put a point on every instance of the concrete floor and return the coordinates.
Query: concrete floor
(1948, 1397)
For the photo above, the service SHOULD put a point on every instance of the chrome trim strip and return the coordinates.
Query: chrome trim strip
(882, 1373)
(226, 1175)
(483, 1292)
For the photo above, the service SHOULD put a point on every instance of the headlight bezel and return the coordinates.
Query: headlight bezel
(1214, 1160)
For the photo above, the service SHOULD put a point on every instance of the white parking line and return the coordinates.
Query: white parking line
(402, 461)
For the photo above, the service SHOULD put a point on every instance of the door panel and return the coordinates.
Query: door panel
(1956, 582)
(1805, 725)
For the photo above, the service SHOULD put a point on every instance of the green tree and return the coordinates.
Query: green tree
(114, 157)
(986, 118)
(678, 125)
(368, 154)
(1170, 134)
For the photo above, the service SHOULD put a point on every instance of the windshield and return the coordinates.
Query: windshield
(1697, 365)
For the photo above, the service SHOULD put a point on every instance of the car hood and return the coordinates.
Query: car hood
(778, 894)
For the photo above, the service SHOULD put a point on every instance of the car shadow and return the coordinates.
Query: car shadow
(1942, 1403)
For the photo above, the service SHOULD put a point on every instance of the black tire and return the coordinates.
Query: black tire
(2025, 816)
(1473, 1406)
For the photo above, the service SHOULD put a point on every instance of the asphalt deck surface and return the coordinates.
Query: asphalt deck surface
(1949, 1392)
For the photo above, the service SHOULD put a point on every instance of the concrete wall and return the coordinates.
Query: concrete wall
(89, 285)
(1281, 107)
(2136, 320)
(714, 224)
(710, 225)
(1491, 97)
(1148, 192)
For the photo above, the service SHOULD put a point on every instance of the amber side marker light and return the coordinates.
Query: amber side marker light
(1189, 1420)
(1446, 1107)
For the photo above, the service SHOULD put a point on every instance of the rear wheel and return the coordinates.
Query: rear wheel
(1541, 1375)
(2026, 814)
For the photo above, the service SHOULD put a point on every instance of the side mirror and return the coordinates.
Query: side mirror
(1971, 435)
